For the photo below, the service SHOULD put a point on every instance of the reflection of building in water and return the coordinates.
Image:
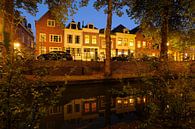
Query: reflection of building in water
(81, 109)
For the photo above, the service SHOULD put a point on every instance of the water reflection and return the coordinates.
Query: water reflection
(92, 107)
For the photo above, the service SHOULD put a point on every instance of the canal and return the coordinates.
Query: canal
(94, 105)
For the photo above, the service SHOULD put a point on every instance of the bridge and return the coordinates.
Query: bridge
(58, 71)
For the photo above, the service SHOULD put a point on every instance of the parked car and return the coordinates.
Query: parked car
(121, 57)
(55, 55)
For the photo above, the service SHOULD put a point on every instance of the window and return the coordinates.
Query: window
(69, 109)
(69, 38)
(42, 37)
(55, 38)
(131, 101)
(119, 42)
(55, 49)
(144, 44)
(90, 26)
(78, 52)
(50, 23)
(73, 26)
(125, 42)
(138, 44)
(86, 107)
(77, 108)
(94, 40)
(86, 39)
(93, 106)
(103, 42)
(77, 39)
(131, 44)
(42, 50)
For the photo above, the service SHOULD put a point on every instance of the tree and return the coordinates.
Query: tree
(110, 7)
(164, 16)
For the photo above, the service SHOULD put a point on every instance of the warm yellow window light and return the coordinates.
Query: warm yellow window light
(16, 45)
(131, 101)
(119, 101)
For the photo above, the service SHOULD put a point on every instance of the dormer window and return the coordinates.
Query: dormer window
(125, 31)
(50, 23)
(73, 26)
(90, 26)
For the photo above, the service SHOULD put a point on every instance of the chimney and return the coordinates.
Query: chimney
(82, 24)
(79, 25)
(29, 25)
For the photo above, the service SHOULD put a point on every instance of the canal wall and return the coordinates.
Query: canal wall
(137, 68)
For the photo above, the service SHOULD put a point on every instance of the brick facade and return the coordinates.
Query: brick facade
(53, 32)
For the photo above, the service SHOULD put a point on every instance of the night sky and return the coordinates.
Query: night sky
(87, 14)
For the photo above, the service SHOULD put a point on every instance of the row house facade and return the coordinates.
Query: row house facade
(144, 46)
(82, 42)
(86, 42)
(49, 35)
(22, 41)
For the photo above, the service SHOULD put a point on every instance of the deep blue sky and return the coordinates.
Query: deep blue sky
(87, 14)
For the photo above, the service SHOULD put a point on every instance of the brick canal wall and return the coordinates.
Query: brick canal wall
(90, 68)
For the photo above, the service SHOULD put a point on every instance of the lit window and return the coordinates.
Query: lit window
(55, 49)
(144, 44)
(55, 38)
(144, 99)
(103, 42)
(125, 102)
(86, 106)
(138, 44)
(86, 39)
(77, 39)
(94, 40)
(125, 42)
(42, 50)
(131, 44)
(138, 100)
(51, 23)
(69, 38)
(78, 51)
(119, 101)
(131, 101)
(167, 43)
(42, 37)
(93, 107)
(119, 41)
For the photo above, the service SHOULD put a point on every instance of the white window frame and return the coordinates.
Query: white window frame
(139, 44)
(52, 23)
(42, 50)
(86, 39)
(78, 38)
(42, 37)
(68, 41)
(53, 49)
(52, 38)
(120, 41)
(131, 43)
(94, 39)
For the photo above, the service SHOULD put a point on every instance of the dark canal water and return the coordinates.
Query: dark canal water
(93, 105)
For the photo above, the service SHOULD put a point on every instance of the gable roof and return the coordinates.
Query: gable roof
(120, 28)
(135, 30)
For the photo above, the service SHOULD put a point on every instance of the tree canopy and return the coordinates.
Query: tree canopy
(163, 17)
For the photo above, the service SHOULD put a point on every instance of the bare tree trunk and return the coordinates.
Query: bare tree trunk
(107, 71)
(164, 32)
